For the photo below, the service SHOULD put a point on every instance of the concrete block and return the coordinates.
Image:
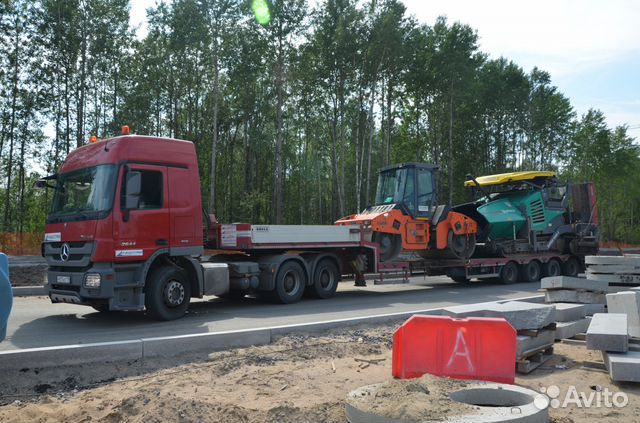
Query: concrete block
(468, 310)
(523, 315)
(569, 296)
(613, 268)
(626, 260)
(608, 332)
(591, 309)
(567, 282)
(526, 344)
(627, 302)
(169, 346)
(66, 355)
(614, 278)
(623, 367)
(613, 289)
(520, 314)
(569, 312)
(566, 330)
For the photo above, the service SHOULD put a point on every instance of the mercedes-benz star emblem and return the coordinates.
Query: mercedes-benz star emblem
(64, 252)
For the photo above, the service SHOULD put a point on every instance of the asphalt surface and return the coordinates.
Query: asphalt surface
(35, 322)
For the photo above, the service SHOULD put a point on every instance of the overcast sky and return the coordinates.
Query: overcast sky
(591, 48)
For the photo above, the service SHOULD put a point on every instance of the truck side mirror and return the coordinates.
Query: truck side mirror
(132, 190)
(40, 183)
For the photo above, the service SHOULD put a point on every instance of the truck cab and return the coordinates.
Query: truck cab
(118, 203)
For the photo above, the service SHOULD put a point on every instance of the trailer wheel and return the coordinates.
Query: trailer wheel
(532, 271)
(509, 273)
(553, 268)
(168, 293)
(571, 267)
(290, 283)
(325, 279)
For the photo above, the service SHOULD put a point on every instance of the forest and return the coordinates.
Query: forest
(292, 107)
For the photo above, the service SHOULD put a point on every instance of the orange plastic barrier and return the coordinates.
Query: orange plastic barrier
(476, 348)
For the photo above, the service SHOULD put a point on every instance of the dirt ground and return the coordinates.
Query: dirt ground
(295, 379)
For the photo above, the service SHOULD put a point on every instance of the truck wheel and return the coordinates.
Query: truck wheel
(571, 267)
(325, 279)
(290, 283)
(553, 268)
(532, 271)
(168, 293)
(509, 273)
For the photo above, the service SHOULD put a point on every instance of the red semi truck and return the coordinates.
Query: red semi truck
(126, 231)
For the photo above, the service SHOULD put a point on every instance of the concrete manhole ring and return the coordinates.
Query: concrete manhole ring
(491, 403)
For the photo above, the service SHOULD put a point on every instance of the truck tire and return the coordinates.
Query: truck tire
(167, 294)
(509, 273)
(325, 279)
(571, 267)
(289, 284)
(553, 268)
(532, 271)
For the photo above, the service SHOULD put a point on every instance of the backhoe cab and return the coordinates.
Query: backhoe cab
(406, 216)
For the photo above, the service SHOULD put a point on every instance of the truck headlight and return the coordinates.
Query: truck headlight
(92, 280)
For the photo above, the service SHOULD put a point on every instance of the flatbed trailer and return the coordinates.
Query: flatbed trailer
(525, 267)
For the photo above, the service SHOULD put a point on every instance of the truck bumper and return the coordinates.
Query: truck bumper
(71, 287)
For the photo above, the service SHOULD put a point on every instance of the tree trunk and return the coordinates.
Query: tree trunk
(451, 145)
(12, 126)
(372, 129)
(276, 205)
(83, 78)
(214, 128)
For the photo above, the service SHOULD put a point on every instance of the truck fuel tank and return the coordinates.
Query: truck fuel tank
(216, 278)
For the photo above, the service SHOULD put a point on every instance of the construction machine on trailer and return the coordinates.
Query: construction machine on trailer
(406, 216)
(519, 225)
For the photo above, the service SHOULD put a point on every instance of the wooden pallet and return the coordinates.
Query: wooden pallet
(536, 359)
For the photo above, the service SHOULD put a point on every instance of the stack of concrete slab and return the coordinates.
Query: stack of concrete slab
(567, 289)
(619, 272)
(535, 324)
(628, 303)
(608, 332)
(622, 363)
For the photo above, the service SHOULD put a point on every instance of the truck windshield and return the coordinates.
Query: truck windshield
(83, 194)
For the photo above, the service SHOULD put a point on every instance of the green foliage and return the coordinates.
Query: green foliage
(293, 109)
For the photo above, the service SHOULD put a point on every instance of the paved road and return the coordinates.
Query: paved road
(35, 322)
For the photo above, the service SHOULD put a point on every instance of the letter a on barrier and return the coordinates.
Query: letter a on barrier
(479, 348)
(461, 350)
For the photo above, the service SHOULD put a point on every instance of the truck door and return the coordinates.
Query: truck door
(140, 231)
(186, 211)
